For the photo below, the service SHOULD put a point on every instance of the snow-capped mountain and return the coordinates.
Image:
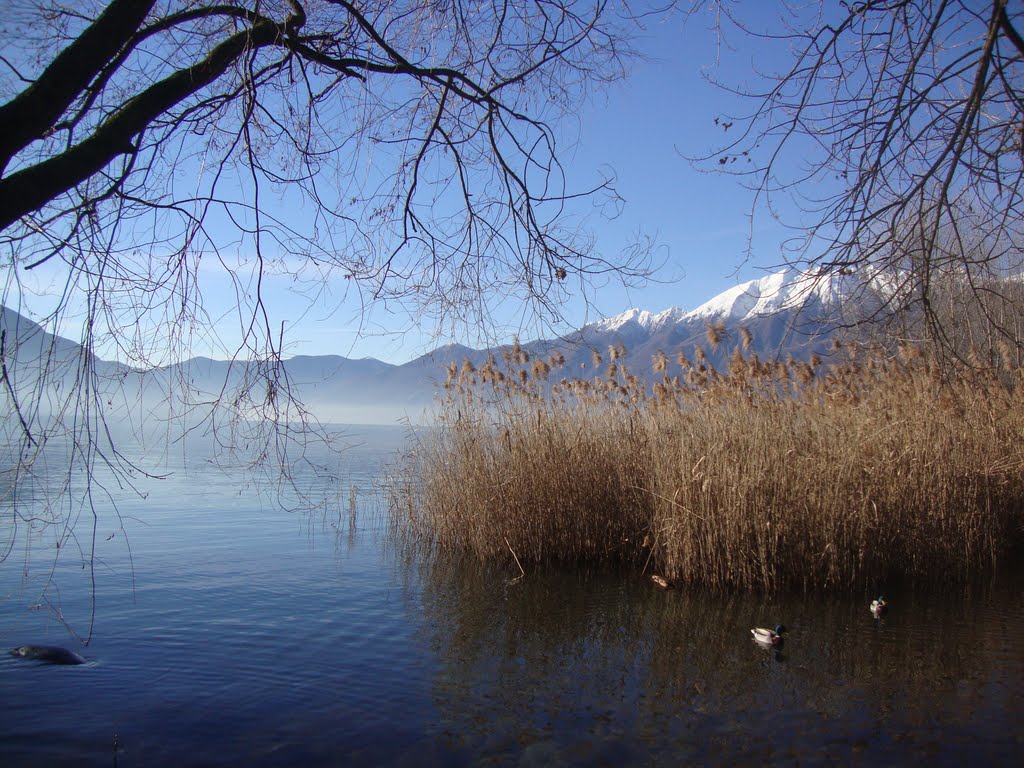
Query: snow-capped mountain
(788, 312)
(640, 318)
(787, 290)
(779, 292)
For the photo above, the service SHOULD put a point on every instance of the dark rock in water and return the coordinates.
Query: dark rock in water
(49, 653)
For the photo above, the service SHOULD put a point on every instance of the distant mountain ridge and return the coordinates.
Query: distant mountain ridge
(787, 312)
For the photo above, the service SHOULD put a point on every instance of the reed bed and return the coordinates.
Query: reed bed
(766, 475)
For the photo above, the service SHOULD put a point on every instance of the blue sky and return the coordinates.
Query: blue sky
(642, 129)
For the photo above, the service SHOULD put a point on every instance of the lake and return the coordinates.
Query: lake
(229, 630)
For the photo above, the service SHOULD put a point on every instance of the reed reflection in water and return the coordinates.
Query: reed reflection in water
(603, 668)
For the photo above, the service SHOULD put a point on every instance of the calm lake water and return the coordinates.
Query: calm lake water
(229, 631)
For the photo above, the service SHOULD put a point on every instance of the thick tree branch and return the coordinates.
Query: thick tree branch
(30, 189)
(1010, 31)
(340, 151)
(35, 110)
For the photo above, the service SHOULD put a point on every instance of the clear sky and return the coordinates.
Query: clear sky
(640, 129)
(643, 129)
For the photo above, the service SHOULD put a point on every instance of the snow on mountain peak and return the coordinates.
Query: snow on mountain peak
(649, 321)
(786, 289)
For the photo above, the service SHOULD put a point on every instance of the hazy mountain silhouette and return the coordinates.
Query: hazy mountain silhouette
(786, 313)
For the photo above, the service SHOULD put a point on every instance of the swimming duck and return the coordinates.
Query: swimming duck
(661, 581)
(50, 653)
(879, 607)
(768, 636)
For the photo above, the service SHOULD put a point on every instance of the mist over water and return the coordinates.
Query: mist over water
(230, 631)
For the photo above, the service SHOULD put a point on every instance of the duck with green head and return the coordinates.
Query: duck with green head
(768, 637)
(879, 607)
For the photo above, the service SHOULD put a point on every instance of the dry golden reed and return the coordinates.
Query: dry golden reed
(768, 475)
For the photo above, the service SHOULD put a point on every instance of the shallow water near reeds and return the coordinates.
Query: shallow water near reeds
(238, 633)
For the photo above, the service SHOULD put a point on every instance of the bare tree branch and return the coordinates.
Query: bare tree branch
(896, 128)
(405, 150)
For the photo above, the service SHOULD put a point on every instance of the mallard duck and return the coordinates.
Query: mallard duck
(768, 636)
(661, 581)
(879, 607)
